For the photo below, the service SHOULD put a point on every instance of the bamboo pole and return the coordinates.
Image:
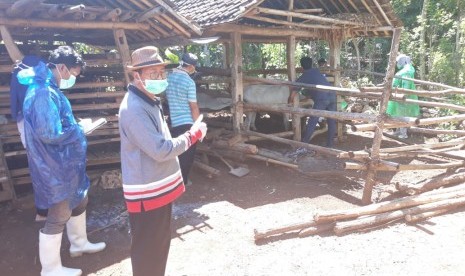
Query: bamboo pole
(422, 146)
(241, 147)
(431, 184)
(291, 73)
(176, 25)
(375, 150)
(10, 45)
(322, 88)
(206, 168)
(403, 167)
(431, 104)
(419, 122)
(411, 218)
(307, 16)
(371, 221)
(286, 23)
(279, 134)
(102, 84)
(191, 24)
(317, 229)
(273, 161)
(436, 131)
(251, 30)
(387, 206)
(329, 151)
(311, 112)
(259, 235)
(72, 24)
(149, 14)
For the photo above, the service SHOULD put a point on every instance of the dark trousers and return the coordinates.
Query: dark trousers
(151, 238)
(59, 214)
(186, 159)
(329, 105)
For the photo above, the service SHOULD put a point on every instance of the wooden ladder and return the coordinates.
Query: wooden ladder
(7, 191)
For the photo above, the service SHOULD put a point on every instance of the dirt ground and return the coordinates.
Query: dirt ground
(214, 222)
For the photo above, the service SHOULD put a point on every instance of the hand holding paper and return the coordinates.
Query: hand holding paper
(88, 126)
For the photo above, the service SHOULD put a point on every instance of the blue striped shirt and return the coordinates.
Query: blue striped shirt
(180, 91)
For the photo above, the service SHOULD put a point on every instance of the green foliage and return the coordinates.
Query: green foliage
(172, 57)
(444, 30)
(86, 48)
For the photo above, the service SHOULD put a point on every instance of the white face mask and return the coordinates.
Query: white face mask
(65, 84)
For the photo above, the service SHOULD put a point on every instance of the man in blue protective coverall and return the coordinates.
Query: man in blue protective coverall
(17, 95)
(56, 149)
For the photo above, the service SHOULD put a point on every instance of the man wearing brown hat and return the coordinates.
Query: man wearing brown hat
(152, 178)
(184, 110)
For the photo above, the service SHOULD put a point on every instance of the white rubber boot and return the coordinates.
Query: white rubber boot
(49, 255)
(77, 235)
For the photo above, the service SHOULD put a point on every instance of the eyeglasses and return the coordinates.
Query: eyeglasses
(158, 75)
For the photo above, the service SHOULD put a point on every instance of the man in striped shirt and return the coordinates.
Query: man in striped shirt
(151, 175)
(184, 110)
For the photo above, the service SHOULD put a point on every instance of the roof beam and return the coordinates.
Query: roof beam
(149, 14)
(259, 31)
(287, 23)
(308, 10)
(382, 12)
(193, 26)
(72, 24)
(306, 16)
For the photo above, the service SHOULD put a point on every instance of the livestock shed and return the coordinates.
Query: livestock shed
(30, 26)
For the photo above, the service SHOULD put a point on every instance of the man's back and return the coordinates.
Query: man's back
(181, 90)
(314, 76)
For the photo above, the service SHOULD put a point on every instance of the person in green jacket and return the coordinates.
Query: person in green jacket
(406, 70)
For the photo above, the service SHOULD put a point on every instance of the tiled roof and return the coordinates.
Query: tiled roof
(210, 12)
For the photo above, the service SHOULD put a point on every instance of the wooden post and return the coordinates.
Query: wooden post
(226, 55)
(335, 45)
(10, 45)
(371, 174)
(291, 45)
(237, 84)
(123, 49)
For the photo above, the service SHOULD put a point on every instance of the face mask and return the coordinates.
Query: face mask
(156, 86)
(65, 84)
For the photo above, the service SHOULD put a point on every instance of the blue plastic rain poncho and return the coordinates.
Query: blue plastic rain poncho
(56, 144)
(404, 109)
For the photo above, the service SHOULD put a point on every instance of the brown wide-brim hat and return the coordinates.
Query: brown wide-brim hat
(146, 57)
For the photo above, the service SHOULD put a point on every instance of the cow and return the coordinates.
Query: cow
(265, 94)
(206, 101)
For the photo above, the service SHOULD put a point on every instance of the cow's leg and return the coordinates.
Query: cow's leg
(286, 117)
(247, 121)
(253, 115)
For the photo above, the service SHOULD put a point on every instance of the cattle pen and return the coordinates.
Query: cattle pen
(125, 25)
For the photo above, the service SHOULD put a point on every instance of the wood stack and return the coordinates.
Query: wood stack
(410, 209)
(223, 142)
